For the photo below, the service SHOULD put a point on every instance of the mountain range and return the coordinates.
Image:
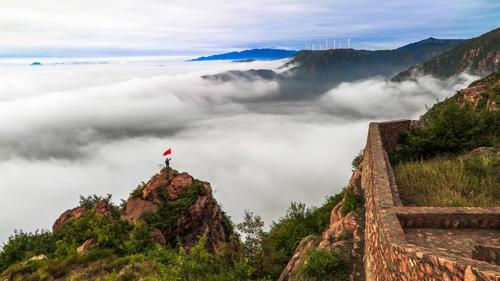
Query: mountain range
(253, 54)
(310, 73)
(478, 56)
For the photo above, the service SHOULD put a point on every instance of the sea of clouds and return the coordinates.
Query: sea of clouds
(70, 130)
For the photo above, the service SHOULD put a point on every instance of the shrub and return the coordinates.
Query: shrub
(357, 159)
(23, 245)
(324, 265)
(352, 202)
(137, 192)
(285, 235)
(449, 129)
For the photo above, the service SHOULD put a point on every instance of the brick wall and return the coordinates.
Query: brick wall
(388, 256)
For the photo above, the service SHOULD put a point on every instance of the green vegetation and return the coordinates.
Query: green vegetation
(352, 203)
(324, 265)
(137, 192)
(269, 252)
(450, 129)
(169, 212)
(126, 252)
(121, 252)
(432, 164)
(157, 263)
(451, 182)
(357, 159)
(451, 62)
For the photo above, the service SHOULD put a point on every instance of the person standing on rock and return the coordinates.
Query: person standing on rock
(167, 160)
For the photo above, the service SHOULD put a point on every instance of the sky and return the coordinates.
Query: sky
(38, 28)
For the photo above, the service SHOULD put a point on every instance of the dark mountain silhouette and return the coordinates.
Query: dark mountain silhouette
(254, 54)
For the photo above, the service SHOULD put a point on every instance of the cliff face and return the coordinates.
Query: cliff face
(177, 206)
(479, 56)
(345, 234)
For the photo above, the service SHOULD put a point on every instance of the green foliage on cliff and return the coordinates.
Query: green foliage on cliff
(323, 265)
(451, 129)
(169, 212)
(155, 263)
(269, 251)
(23, 245)
(476, 55)
(352, 203)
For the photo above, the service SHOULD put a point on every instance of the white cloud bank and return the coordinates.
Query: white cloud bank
(74, 133)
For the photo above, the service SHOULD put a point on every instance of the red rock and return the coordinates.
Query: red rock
(157, 184)
(83, 249)
(482, 150)
(100, 208)
(158, 237)
(136, 208)
(178, 184)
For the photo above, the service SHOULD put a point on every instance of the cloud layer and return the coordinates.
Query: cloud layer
(89, 27)
(67, 131)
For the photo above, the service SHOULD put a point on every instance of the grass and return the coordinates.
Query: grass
(465, 181)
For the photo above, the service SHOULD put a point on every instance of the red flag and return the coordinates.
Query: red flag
(167, 152)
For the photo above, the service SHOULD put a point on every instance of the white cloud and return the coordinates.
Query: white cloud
(68, 131)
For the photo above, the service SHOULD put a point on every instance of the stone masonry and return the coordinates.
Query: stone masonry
(421, 243)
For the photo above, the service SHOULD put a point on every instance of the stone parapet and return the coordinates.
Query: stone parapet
(388, 255)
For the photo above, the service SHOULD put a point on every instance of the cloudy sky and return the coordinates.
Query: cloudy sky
(128, 27)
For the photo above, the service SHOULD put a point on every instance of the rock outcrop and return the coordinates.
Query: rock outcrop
(482, 94)
(101, 208)
(345, 234)
(185, 210)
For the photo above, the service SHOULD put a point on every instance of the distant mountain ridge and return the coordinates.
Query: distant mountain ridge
(479, 56)
(253, 54)
(309, 73)
(344, 65)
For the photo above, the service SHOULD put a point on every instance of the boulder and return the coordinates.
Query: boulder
(298, 257)
(178, 184)
(158, 237)
(482, 150)
(36, 258)
(136, 208)
(204, 216)
(101, 208)
(85, 247)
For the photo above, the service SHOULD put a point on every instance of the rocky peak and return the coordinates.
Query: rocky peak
(101, 208)
(177, 206)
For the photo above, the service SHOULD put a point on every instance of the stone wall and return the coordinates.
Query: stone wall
(387, 254)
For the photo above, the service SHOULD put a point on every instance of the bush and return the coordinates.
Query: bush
(278, 245)
(352, 202)
(449, 130)
(357, 159)
(324, 265)
(23, 245)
